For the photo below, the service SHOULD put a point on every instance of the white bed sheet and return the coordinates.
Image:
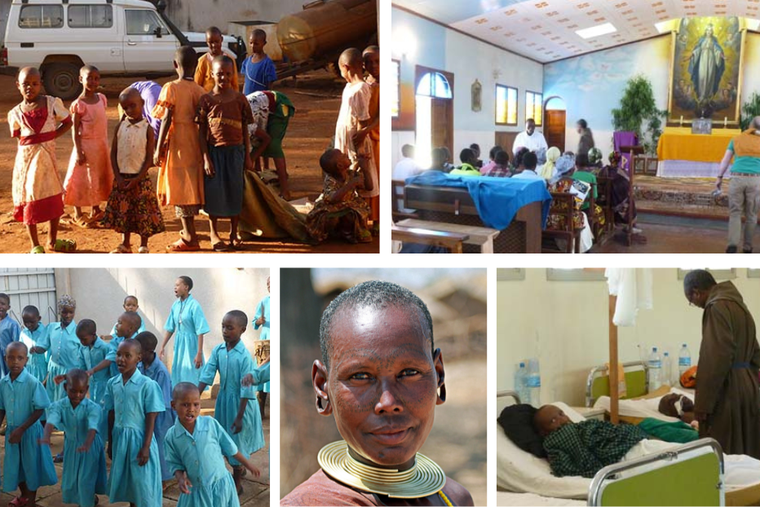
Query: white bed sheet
(507, 499)
(520, 471)
(642, 408)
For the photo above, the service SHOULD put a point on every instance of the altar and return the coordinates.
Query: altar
(682, 154)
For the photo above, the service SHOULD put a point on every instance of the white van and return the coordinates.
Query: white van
(119, 37)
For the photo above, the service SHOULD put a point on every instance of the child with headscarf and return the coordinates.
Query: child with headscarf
(548, 170)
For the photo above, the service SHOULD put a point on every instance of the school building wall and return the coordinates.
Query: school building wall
(565, 325)
(197, 15)
(100, 294)
(417, 41)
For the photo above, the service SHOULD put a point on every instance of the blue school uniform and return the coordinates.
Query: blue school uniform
(232, 365)
(263, 309)
(113, 345)
(37, 365)
(187, 319)
(91, 357)
(64, 352)
(26, 461)
(200, 455)
(139, 330)
(9, 332)
(84, 473)
(158, 373)
(258, 76)
(131, 402)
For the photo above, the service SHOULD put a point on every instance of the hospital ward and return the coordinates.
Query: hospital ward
(627, 386)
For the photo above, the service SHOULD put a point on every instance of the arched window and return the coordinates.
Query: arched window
(434, 84)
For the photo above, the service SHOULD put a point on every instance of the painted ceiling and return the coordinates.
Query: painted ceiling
(545, 30)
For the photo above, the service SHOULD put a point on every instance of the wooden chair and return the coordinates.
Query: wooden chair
(397, 206)
(563, 204)
(452, 241)
(633, 150)
(604, 190)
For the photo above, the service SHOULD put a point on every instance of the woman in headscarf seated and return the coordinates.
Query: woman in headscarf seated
(549, 170)
(564, 182)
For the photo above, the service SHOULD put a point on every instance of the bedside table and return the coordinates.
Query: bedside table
(591, 412)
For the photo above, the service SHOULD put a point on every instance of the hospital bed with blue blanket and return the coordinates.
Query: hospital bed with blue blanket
(688, 474)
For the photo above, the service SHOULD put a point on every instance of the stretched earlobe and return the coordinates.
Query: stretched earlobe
(441, 374)
(319, 382)
(441, 394)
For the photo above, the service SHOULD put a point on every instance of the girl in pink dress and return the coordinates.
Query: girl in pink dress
(90, 177)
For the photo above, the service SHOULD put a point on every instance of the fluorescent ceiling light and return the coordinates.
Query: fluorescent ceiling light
(596, 31)
(670, 25)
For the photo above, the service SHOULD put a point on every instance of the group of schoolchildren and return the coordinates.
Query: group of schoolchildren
(202, 134)
(147, 422)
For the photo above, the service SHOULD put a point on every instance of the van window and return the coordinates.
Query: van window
(143, 22)
(41, 16)
(90, 16)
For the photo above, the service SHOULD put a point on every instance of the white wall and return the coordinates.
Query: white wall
(100, 294)
(565, 325)
(468, 59)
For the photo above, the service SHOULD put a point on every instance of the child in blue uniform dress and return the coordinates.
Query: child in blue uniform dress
(84, 464)
(32, 335)
(187, 319)
(63, 346)
(261, 320)
(152, 367)
(127, 327)
(9, 330)
(195, 447)
(133, 401)
(238, 415)
(27, 464)
(130, 305)
(94, 352)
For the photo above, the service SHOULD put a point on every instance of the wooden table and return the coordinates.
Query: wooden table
(421, 234)
(480, 237)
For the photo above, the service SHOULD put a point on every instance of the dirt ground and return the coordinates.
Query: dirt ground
(255, 489)
(316, 97)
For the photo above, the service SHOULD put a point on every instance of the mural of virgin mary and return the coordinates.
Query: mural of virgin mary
(707, 65)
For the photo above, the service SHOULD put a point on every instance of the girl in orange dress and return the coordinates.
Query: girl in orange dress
(90, 177)
(178, 150)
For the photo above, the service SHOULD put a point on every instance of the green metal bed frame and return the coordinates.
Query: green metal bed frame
(636, 381)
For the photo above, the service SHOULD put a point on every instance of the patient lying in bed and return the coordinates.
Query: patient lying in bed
(582, 448)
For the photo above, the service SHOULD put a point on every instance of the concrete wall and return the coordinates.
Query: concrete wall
(100, 293)
(565, 325)
(197, 15)
(417, 41)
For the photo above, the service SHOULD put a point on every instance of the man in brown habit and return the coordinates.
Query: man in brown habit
(727, 401)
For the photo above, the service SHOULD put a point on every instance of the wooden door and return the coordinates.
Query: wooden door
(554, 128)
(442, 124)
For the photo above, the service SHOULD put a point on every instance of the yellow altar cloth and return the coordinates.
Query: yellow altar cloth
(678, 143)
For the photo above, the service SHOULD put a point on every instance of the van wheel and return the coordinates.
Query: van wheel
(62, 80)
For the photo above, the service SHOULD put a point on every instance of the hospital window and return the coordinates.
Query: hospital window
(434, 84)
(506, 105)
(534, 107)
(395, 88)
(718, 274)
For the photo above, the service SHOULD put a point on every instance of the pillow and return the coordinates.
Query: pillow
(517, 422)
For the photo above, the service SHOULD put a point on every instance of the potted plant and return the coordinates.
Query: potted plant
(638, 113)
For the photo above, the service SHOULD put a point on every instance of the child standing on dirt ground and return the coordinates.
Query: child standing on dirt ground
(37, 190)
(355, 121)
(371, 56)
(224, 116)
(132, 206)
(203, 75)
(89, 179)
(258, 69)
(178, 151)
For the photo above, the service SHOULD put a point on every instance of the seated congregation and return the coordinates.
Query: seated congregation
(584, 201)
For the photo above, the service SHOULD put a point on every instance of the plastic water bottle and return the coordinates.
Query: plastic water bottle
(655, 370)
(667, 369)
(534, 383)
(684, 360)
(521, 380)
